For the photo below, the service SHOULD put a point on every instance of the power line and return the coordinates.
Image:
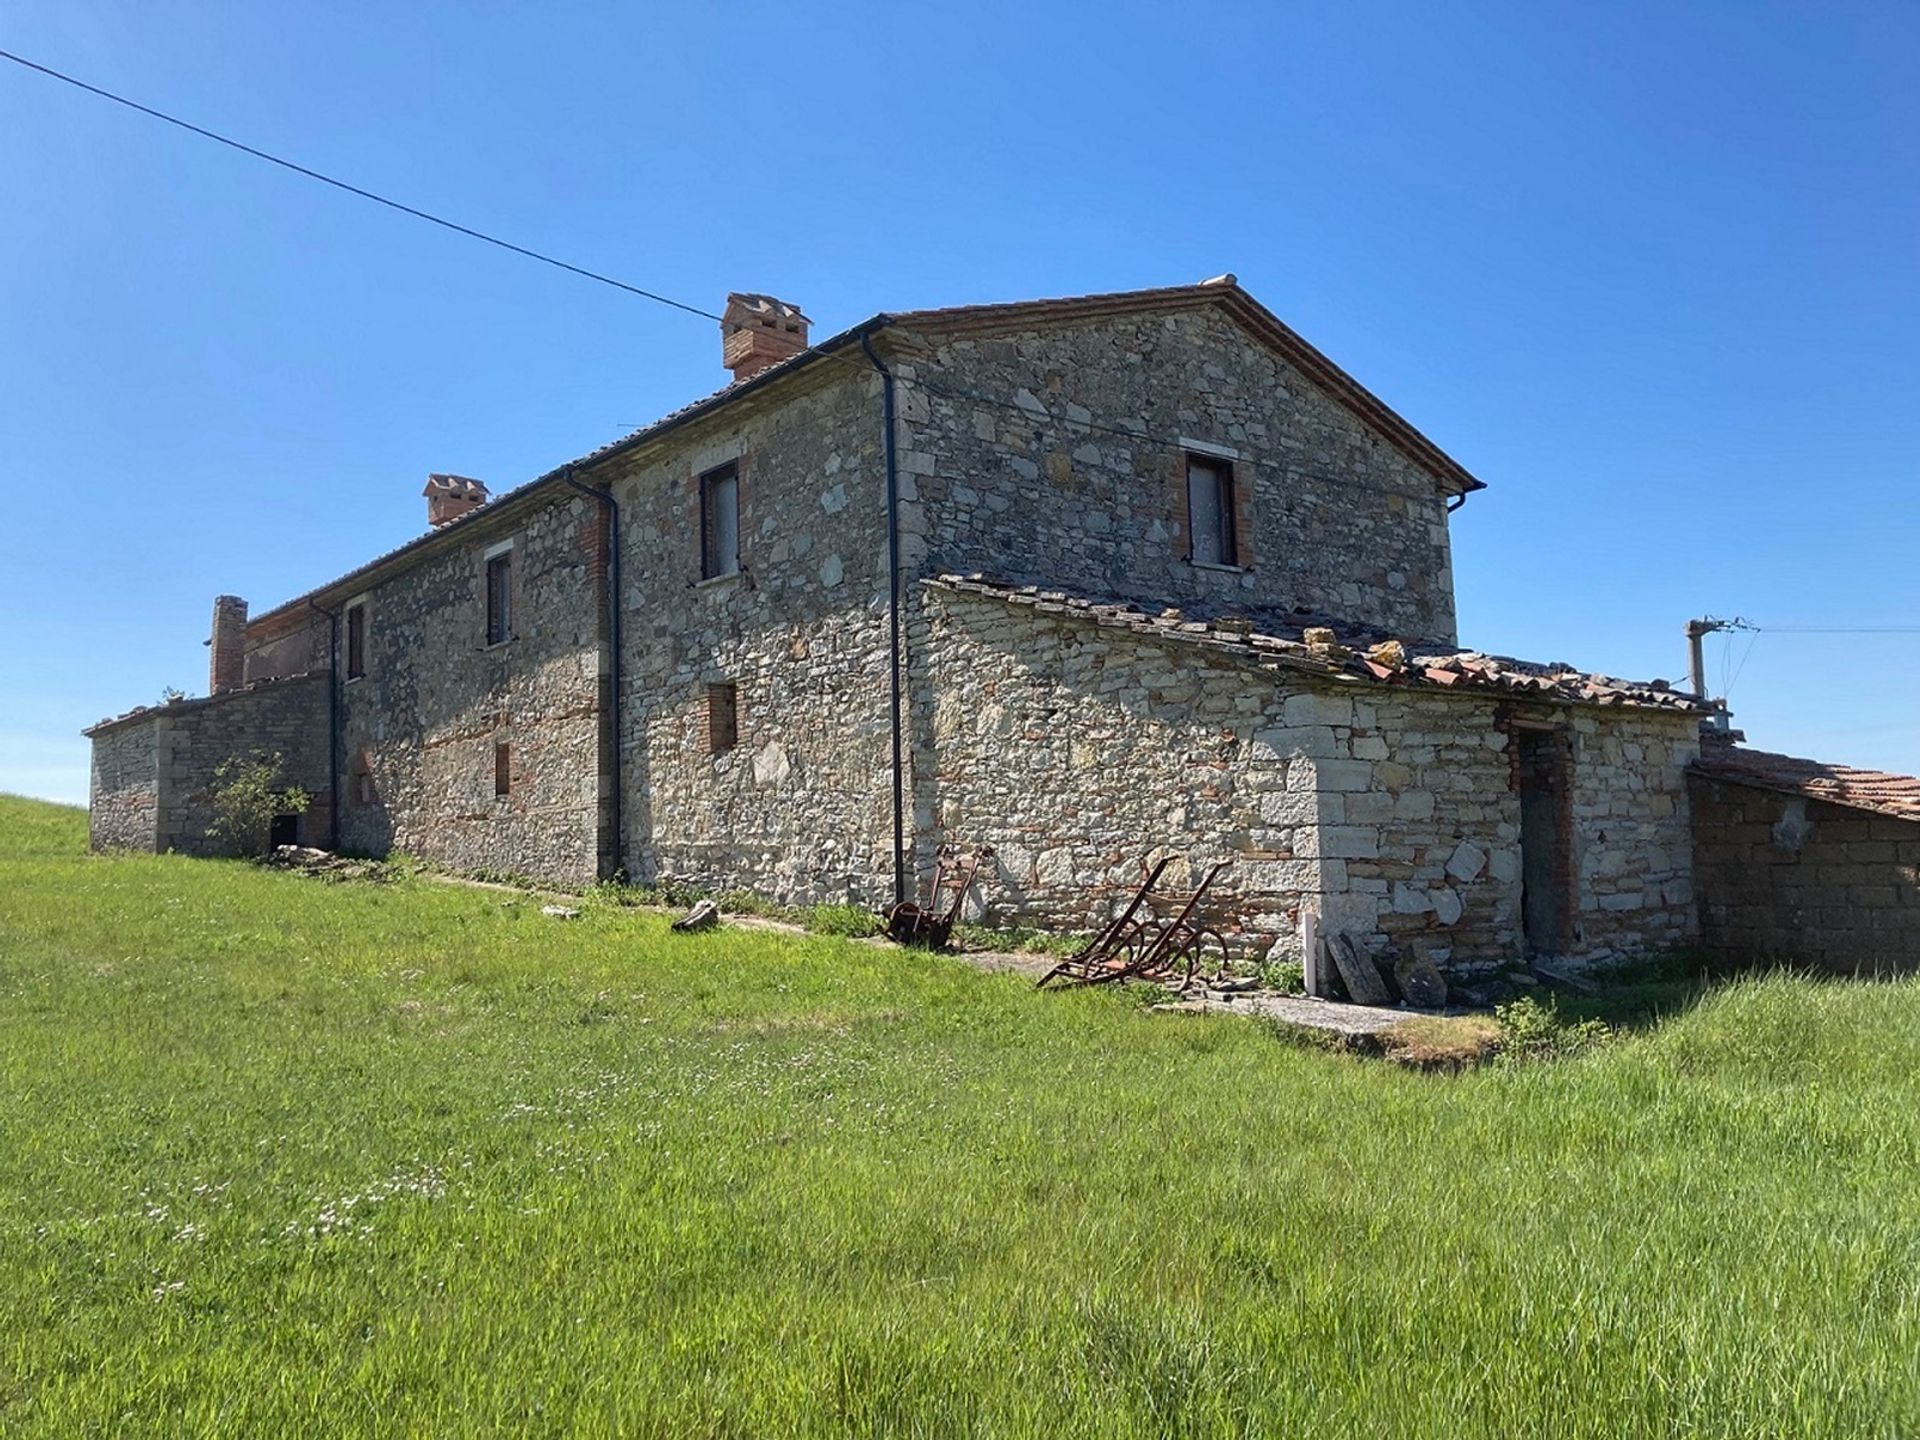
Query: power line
(364, 194)
(1032, 414)
(1840, 629)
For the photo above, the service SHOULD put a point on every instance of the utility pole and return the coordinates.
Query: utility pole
(1697, 631)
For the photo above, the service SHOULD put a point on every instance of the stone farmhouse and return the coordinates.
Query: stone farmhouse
(1083, 579)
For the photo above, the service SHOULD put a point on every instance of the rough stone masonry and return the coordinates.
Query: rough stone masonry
(1166, 580)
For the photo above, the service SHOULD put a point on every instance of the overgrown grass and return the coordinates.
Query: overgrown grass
(279, 1158)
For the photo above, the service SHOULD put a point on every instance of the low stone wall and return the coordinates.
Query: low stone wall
(1075, 750)
(152, 783)
(1082, 754)
(1788, 878)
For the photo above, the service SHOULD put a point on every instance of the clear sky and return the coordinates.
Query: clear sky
(1650, 270)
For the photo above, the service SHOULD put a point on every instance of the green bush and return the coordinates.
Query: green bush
(1289, 977)
(247, 795)
(1532, 1029)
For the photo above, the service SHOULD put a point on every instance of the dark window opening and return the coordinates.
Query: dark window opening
(720, 522)
(1543, 775)
(500, 598)
(1210, 534)
(362, 771)
(284, 830)
(356, 641)
(502, 770)
(723, 718)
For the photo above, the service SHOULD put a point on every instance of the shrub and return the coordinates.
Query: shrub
(1289, 977)
(1531, 1029)
(247, 795)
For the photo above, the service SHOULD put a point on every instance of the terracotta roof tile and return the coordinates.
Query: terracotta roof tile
(1360, 654)
(1875, 790)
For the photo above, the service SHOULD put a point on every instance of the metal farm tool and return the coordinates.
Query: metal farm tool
(927, 925)
(1130, 948)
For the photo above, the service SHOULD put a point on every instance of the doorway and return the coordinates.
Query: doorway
(1543, 775)
(285, 830)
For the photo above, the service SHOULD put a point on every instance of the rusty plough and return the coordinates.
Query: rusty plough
(1137, 946)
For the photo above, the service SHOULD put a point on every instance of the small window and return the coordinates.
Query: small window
(1210, 511)
(720, 522)
(500, 598)
(723, 718)
(356, 641)
(363, 791)
(502, 770)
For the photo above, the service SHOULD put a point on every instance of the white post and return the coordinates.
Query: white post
(1310, 963)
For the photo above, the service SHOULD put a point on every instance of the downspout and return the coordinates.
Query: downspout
(333, 723)
(1456, 502)
(893, 619)
(614, 808)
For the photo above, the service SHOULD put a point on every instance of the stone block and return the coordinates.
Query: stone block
(1313, 707)
(1467, 861)
(1343, 775)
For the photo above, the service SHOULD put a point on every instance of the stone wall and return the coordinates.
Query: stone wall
(153, 772)
(1081, 754)
(419, 729)
(1331, 516)
(799, 808)
(287, 718)
(1075, 750)
(123, 804)
(285, 645)
(1425, 788)
(1792, 879)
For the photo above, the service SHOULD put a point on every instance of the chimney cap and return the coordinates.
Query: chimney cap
(744, 307)
(463, 487)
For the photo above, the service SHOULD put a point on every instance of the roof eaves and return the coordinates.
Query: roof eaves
(520, 495)
(188, 703)
(1462, 674)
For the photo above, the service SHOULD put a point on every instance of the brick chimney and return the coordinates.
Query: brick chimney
(227, 663)
(451, 496)
(757, 331)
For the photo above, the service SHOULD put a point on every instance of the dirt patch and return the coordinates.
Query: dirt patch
(1440, 1042)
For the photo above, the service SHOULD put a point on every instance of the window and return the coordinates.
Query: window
(1210, 511)
(500, 597)
(502, 770)
(720, 522)
(356, 641)
(723, 718)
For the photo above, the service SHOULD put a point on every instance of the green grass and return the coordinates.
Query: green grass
(286, 1158)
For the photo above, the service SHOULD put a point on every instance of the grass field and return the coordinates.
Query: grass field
(281, 1157)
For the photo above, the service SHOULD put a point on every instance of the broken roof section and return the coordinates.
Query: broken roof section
(1880, 791)
(1341, 651)
(1223, 291)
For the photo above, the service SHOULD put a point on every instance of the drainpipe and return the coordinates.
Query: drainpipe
(614, 808)
(893, 620)
(1456, 502)
(333, 723)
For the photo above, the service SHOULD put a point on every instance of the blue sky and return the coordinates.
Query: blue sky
(1649, 270)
